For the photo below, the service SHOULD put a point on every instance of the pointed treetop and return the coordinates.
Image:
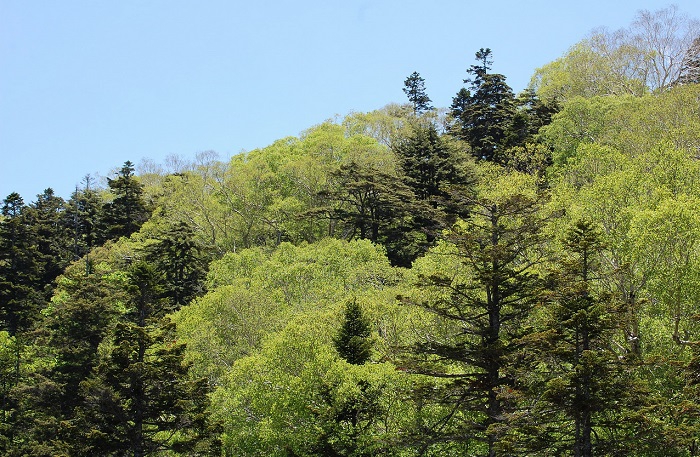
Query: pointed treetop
(483, 56)
(414, 88)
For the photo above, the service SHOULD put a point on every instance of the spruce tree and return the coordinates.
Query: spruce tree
(433, 168)
(580, 395)
(428, 163)
(53, 242)
(83, 219)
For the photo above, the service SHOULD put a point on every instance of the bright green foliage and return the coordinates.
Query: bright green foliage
(667, 244)
(632, 125)
(615, 191)
(585, 121)
(290, 393)
(386, 125)
(585, 72)
(353, 341)
(648, 55)
(671, 117)
(253, 294)
(259, 197)
(517, 333)
(297, 398)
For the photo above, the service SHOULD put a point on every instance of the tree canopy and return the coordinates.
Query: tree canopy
(516, 274)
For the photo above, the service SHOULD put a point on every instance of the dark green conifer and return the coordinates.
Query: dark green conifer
(53, 241)
(83, 219)
(126, 213)
(20, 271)
(353, 341)
(366, 203)
(481, 307)
(140, 399)
(181, 262)
(483, 115)
(414, 88)
(580, 392)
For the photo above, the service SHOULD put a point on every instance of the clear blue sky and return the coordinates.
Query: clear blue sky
(87, 85)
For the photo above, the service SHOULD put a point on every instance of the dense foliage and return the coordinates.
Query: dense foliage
(518, 274)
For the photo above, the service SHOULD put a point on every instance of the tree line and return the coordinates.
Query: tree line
(511, 275)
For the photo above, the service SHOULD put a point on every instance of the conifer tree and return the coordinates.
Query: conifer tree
(52, 240)
(127, 212)
(83, 219)
(580, 392)
(140, 399)
(20, 271)
(414, 88)
(370, 204)
(483, 115)
(482, 304)
(181, 262)
(433, 168)
(428, 163)
(353, 340)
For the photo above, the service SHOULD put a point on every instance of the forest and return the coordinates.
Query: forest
(512, 275)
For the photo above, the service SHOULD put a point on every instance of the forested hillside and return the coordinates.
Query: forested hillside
(515, 274)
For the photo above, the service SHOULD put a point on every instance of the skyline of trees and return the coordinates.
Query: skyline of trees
(515, 275)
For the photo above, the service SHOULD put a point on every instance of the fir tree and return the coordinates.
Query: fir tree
(140, 399)
(483, 115)
(579, 392)
(83, 219)
(353, 340)
(483, 306)
(127, 212)
(53, 242)
(181, 262)
(428, 163)
(20, 271)
(414, 88)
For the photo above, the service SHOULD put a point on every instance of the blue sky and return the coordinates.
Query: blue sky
(87, 85)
